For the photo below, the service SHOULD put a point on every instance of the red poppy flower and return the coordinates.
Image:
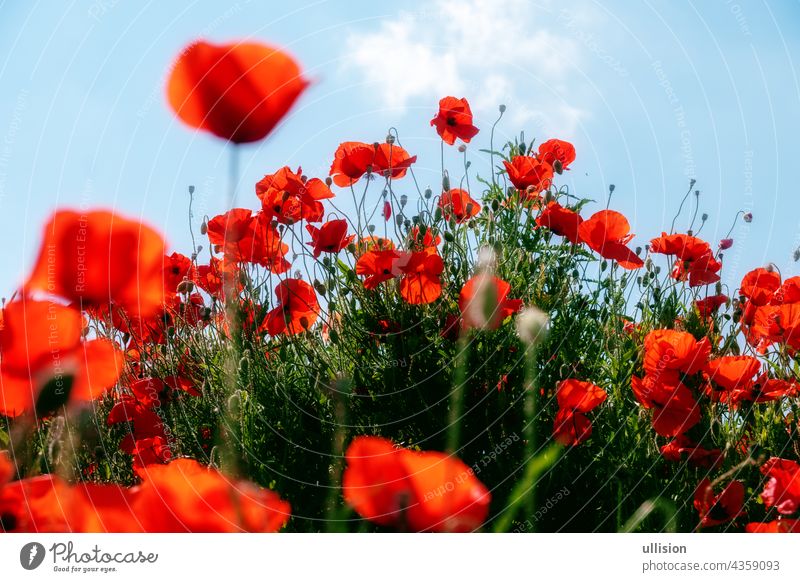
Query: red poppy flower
(184, 496)
(246, 237)
(709, 305)
(607, 232)
(788, 293)
(571, 428)
(562, 221)
(35, 505)
(331, 237)
(695, 260)
(46, 364)
(418, 241)
(215, 276)
(778, 526)
(682, 449)
(579, 396)
(391, 161)
(457, 203)
(454, 120)
(351, 161)
(421, 282)
(759, 285)
(674, 408)
(735, 375)
(98, 258)
(559, 154)
(418, 491)
(373, 243)
(667, 349)
(772, 389)
(177, 268)
(528, 172)
(484, 302)
(288, 197)
(237, 91)
(716, 509)
(297, 308)
(782, 490)
(378, 266)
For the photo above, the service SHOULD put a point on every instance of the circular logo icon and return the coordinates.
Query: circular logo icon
(31, 555)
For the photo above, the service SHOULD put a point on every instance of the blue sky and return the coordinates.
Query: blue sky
(651, 93)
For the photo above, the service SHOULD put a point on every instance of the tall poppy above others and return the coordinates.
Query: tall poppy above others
(237, 91)
(454, 120)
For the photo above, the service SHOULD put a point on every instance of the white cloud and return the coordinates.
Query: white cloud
(490, 51)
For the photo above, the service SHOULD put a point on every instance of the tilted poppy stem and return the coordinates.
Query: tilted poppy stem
(233, 174)
(530, 425)
(457, 395)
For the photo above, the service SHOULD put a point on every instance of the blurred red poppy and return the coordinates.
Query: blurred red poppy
(778, 526)
(579, 396)
(484, 302)
(454, 120)
(296, 311)
(46, 363)
(410, 490)
(331, 237)
(184, 496)
(607, 232)
(98, 258)
(238, 91)
(682, 449)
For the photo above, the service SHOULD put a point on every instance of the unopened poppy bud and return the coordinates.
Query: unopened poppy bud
(603, 265)
(185, 287)
(304, 178)
(199, 250)
(704, 217)
(304, 323)
(376, 145)
(351, 248)
(320, 288)
(502, 108)
(771, 268)
(796, 255)
(328, 181)
(448, 236)
(692, 182)
(611, 188)
(445, 182)
(725, 243)
(462, 148)
(495, 205)
(748, 217)
(532, 325)
(657, 270)
(428, 193)
(638, 251)
(718, 288)
(437, 215)
(371, 228)
(204, 227)
(235, 403)
(403, 200)
(407, 224)
(399, 220)
(558, 167)
(422, 229)
(191, 189)
(690, 232)
(390, 139)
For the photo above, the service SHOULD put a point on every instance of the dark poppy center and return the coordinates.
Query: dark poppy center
(8, 522)
(176, 270)
(718, 512)
(54, 395)
(451, 121)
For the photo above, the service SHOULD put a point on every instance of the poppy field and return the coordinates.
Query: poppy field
(361, 352)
